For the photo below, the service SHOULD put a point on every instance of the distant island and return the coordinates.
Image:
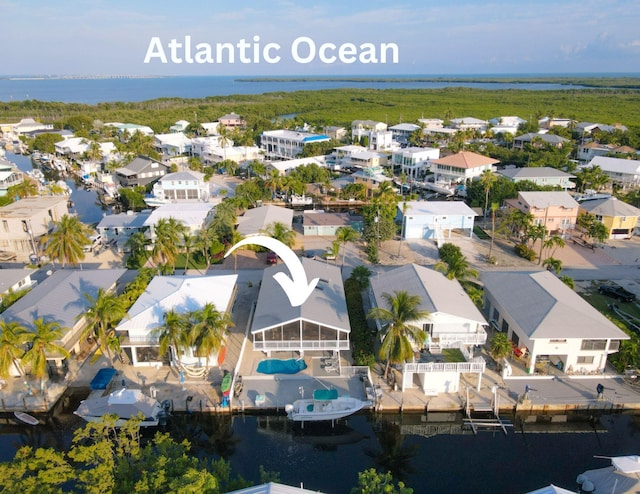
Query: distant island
(585, 81)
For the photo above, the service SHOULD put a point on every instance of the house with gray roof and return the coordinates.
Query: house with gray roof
(622, 172)
(141, 171)
(119, 227)
(13, 280)
(536, 140)
(453, 321)
(182, 186)
(319, 223)
(556, 210)
(549, 323)
(253, 221)
(620, 218)
(62, 298)
(320, 324)
(544, 176)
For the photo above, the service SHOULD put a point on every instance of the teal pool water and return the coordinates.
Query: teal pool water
(277, 366)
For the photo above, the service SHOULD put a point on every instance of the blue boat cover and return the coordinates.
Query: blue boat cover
(325, 394)
(102, 379)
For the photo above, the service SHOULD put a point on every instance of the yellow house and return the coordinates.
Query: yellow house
(620, 218)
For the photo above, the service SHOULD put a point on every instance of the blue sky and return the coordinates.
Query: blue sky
(433, 37)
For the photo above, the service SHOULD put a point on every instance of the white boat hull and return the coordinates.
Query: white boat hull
(125, 404)
(310, 410)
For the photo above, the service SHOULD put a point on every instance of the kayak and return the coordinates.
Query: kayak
(26, 418)
(225, 387)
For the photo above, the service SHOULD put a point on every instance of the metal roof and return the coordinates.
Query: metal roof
(609, 206)
(325, 306)
(61, 296)
(12, 276)
(542, 306)
(257, 219)
(439, 294)
(180, 293)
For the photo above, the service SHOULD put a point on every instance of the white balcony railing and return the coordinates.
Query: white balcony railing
(476, 366)
(277, 346)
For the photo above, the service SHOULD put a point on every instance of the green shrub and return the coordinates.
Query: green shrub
(362, 343)
(525, 252)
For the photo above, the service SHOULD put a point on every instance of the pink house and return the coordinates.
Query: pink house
(558, 211)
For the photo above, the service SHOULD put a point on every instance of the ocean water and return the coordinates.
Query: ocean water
(98, 90)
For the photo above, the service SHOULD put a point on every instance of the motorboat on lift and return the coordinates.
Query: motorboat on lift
(125, 404)
(325, 404)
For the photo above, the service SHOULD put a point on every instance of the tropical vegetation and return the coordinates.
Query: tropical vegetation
(66, 242)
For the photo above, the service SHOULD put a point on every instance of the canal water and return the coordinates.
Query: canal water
(85, 201)
(441, 460)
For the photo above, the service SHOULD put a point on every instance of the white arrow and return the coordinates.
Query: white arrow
(296, 287)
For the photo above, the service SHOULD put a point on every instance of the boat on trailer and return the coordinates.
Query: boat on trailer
(325, 405)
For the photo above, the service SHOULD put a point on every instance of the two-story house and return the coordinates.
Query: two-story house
(453, 321)
(184, 186)
(549, 323)
(620, 218)
(622, 172)
(402, 131)
(557, 211)
(414, 161)
(287, 144)
(461, 167)
(141, 171)
(24, 222)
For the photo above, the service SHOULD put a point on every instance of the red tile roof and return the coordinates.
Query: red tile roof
(466, 159)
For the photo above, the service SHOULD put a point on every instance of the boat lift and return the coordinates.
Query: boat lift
(483, 406)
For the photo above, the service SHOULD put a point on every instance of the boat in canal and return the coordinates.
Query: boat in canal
(325, 404)
(26, 418)
(125, 404)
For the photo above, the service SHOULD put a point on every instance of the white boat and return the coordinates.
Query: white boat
(444, 188)
(26, 418)
(325, 405)
(126, 404)
(154, 202)
(622, 477)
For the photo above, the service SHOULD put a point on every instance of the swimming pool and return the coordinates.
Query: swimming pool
(277, 366)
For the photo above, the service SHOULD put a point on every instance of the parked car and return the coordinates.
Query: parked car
(617, 292)
(272, 258)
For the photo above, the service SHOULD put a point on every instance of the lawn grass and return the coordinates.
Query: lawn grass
(480, 233)
(604, 305)
(452, 355)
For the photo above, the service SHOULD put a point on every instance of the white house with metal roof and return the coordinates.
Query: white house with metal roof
(119, 227)
(625, 173)
(172, 144)
(321, 323)
(402, 131)
(194, 215)
(287, 144)
(549, 323)
(253, 221)
(453, 322)
(183, 186)
(414, 161)
(540, 175)
(435, 219)
(61, 298)
(183, 294)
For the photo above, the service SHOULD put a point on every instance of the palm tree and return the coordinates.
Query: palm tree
(173, 333)
(67, 241)
(488, 180)
(554, 242)
(346, 234)
(500, 346)
(397, 321)
(553, 264)
(103, 312)
(167, 233)
(26, 188)
(12, 339)
(209, 330)
(456, 268)
(42, 341)
(188, 245)
(273, 182)
(280, 232)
